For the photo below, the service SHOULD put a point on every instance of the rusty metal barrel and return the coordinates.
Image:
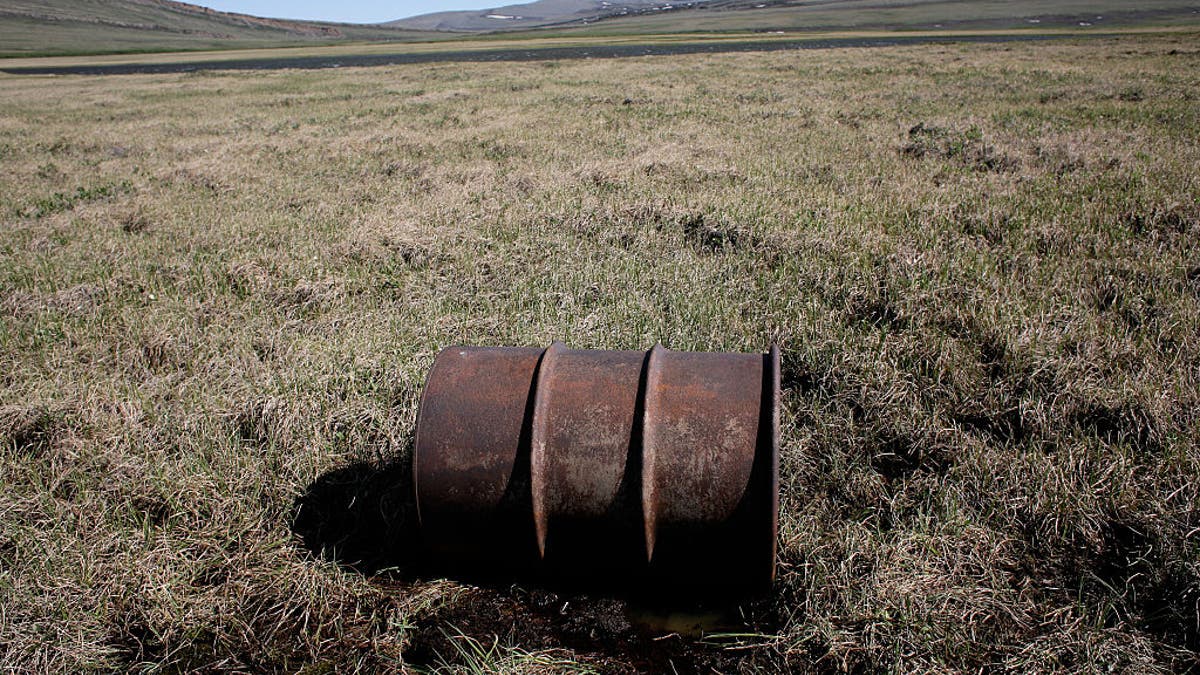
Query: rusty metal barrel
(656, 467)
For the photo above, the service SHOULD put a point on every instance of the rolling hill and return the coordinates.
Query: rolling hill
(542, 13)
(827, 15)
(664, 16)
(33, 27)
(51, 27)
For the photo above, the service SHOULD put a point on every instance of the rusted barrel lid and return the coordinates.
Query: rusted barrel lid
(658, 467)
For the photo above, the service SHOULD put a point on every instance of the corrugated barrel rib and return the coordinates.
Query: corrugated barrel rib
(585, 427)
(708, 514)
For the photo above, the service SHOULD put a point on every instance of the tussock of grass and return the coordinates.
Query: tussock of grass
(978, 260)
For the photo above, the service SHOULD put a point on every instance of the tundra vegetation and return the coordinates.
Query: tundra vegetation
(220, 293)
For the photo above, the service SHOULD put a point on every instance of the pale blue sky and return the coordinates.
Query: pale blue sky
(353, 11)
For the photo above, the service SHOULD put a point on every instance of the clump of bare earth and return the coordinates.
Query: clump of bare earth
(219, 295)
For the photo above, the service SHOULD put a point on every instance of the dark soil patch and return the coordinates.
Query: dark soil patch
(709, 235)
(875, 308)
(597, 631)
(966, 148)
(136, 641)
(1193, 280)
(134, 223)
(902, 456)
(992, 227)
(28, 431)
(993, 355)
(1162, 221)
(1136, 575)
(795, 376)
(1157, 593)
(153, 510)
(1004, 426)
(1125, 422)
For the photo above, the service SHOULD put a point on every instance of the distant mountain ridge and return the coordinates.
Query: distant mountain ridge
(665, 16)
(149, 15)
(83, 26)
(56, 27)
(539, 14)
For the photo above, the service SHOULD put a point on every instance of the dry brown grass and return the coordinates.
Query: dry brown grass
(219, 295)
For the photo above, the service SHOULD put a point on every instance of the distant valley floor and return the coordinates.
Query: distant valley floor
(338, 58)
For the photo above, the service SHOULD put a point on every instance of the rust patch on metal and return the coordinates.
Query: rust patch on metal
(707, 498)
(471, 457)
(585, 504)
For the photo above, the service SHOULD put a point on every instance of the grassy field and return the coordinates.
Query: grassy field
(220, 293)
